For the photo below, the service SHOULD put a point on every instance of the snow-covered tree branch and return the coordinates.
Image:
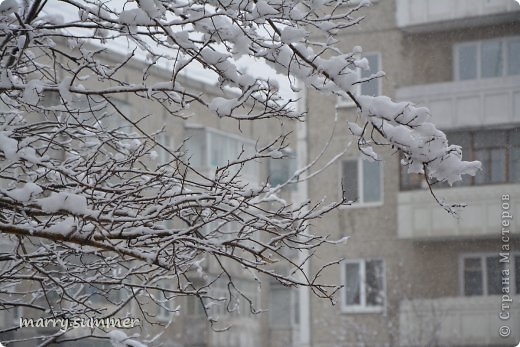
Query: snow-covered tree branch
(87, 209)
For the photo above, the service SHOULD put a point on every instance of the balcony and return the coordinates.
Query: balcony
(420, 218)
(432, 15)
(473, 103)
(468, 321)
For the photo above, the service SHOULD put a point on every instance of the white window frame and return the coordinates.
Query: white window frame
(483, 256)
(361, 203)
(356, 89)
(362, 308)
(505, 57)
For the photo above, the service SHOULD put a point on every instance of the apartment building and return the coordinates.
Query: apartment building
(413, 274)
(209, 142)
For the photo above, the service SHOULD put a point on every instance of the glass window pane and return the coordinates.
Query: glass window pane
(463, 139)
(498, 165)
(374, 283)
(467, 63)
(410, 181)
(350, 180)
(473, 277)
(490, 139)
(372, 87)
(491, 58)
(485, 175)
(280, 307)
(196, 147)
(371, 181)
(513, 57)
(514, 136)
(514, 165)
(494, 275)
(353, 285)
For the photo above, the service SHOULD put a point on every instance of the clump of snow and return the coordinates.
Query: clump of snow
(64, 88)
(264, 9)
(8, 145)
(25, 193)
(64, 227)
(31, 93)
(120, 339)
(223, 107)
(405, 127)
(367, 153)
(362, 63)
(290, 34)
(64, 201)
(153, 8)
(355, 129)
(8, 7)
(135, 16)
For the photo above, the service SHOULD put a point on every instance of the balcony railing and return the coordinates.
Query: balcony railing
(428, 15)
(468, 321)
(474, 103)
(421, 218)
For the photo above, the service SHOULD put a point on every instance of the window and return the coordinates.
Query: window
(467, 61)
(372, 87)
(165, 301)
(222, 229)
(282, 169)
(225, 300)
(209, 149)
(490, 148)
(487, 59)
(284, 307)
(112, 119)
(362, 181)
(498, 150)
(363, 282)
(165, 140)
(482, 274)
(514, 157)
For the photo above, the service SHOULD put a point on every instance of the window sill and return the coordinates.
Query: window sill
(362, 309)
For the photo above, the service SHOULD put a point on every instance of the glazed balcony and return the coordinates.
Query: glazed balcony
(470, 103)
(468, 321)
(432, 15)
(421, 218)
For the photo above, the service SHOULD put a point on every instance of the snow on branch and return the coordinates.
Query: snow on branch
(93, 225)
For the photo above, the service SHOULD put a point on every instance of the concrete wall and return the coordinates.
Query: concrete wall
(413, 269)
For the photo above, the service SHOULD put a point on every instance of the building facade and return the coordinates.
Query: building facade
(209, 142)
(414, 275)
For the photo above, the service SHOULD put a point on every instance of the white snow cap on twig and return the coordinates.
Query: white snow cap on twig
(120, 339)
